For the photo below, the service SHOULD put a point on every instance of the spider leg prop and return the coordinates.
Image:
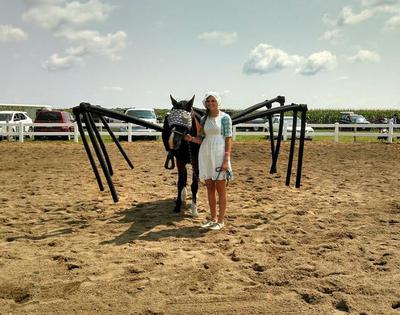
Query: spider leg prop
(85, 111)
(268, 105)
(269, 112)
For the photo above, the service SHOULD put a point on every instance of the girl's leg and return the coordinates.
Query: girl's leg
(212, 201)
(221, 189)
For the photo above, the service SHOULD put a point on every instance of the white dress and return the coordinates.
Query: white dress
(212, 149)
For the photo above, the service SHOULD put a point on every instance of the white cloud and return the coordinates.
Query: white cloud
(221, 38)
(331, 35)
(392, 24)
(364, 55)
(370, 8)
(11, 33)
(53, 14)
(64, 18)
(92, 43)
(347, 16)
(113, 88)
(382, 5)
(323, 60)
(89, 43)
(57, 62)
(265, 59)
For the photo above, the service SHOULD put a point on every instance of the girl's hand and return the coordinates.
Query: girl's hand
(188, 137)
(225, 165)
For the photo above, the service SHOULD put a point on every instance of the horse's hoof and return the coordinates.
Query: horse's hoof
(193, 206)
(177, 210)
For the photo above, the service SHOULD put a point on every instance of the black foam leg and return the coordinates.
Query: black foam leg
(101, 142)
(271, 134)
(278, 144)
(100, 157)
(292, 146)
(121, 149)
(88, 151)
(301, 147)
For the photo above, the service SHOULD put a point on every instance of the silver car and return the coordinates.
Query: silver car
(288, 122)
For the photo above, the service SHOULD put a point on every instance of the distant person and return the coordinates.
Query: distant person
(214, 158)
(395, 119)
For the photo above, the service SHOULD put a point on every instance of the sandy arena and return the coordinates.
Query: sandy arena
(331, 247)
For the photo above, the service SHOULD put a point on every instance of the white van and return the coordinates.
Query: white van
(147, 114)
(13, 117)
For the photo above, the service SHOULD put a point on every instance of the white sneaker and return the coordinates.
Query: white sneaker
(193, 206)
(216, 226)
(207, 224)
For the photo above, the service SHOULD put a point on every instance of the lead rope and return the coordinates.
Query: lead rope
(228, 174)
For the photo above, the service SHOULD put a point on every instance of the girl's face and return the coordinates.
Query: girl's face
(211, 103)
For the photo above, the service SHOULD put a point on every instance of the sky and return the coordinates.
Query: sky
(328, 54)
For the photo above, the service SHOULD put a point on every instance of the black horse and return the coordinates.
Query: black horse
(177, 124)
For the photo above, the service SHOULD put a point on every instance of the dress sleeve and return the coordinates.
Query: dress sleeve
(226, 124)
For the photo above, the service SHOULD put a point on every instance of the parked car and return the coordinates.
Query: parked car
(352, 118)
(53, 116)
(13, 117)
(147, 114)
(258, 121)
(288, 121)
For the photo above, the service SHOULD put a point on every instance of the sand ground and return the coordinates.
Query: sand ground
(330, 247)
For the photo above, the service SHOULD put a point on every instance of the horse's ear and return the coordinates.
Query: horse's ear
(190, 103)
(173, 101)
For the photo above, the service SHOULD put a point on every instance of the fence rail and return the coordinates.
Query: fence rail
(381, 131)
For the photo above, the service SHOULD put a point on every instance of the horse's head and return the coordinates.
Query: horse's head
(179, 121)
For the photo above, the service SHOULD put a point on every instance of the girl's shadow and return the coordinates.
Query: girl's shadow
(146, 216)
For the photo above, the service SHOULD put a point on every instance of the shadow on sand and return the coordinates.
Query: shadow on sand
(146, 216)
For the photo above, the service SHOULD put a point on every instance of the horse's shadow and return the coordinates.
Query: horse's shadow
(146, 216)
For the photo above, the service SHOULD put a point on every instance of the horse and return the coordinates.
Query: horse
(181, 121)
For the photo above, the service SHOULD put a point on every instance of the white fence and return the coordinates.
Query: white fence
(381, 131)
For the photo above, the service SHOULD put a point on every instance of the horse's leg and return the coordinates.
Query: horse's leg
(195, 186)
(182, 179)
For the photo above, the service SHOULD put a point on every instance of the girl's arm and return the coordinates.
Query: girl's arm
(227, 153)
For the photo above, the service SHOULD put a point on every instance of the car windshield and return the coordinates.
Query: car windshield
(5, 117)
(143, 114)
(287, 120)
(49, 116)
(358, 119)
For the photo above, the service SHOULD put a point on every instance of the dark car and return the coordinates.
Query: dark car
(352, 118)
(53, 116)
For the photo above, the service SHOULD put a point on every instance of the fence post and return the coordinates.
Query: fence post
(336, 132)
(8, 130)
(76, 133)
(285, 131)
(21, 132)
(129, 132)
(234, 133)
(390, 137)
